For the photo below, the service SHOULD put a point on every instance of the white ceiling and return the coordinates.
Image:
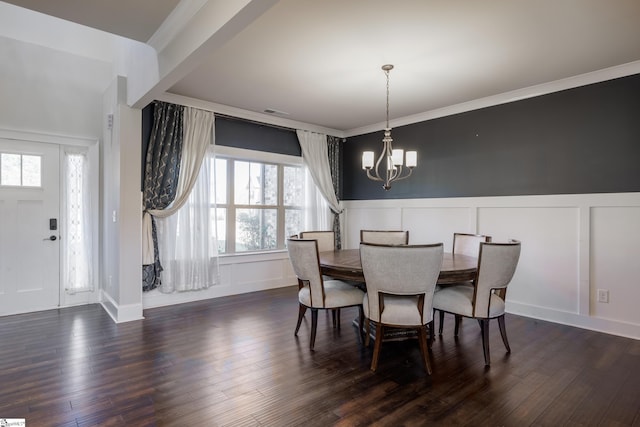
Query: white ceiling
(319, 60)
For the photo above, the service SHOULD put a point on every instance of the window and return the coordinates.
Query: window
(258, 203)
(76, 214)
(21, 170)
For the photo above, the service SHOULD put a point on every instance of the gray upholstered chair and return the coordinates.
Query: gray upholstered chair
(326, 239)
(313, 291)
(497, 263)
(400, 284)
(468, 244)
(464, 244)
(385, 237)
(326, 242)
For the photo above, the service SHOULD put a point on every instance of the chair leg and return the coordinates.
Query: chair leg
(338, 317)
(360, 324)
(503, 333)
(376, 346)
(484, 323)
(333, 317)
(367, 332)
(457, 325)
(422, 339)
(302, 309)
(314, 327)
(441, 322)
(431, 325)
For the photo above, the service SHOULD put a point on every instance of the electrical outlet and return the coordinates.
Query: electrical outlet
(603, 295)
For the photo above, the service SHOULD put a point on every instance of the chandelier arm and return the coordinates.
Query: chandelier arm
(400, 178)
(372, 177)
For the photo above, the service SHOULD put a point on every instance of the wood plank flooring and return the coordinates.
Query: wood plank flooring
(234, 362)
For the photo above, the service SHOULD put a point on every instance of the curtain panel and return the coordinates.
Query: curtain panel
(333, 147)
(186, 229)
(160, 184)
(315, 153)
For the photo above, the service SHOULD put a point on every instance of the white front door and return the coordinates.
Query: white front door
(29, 226)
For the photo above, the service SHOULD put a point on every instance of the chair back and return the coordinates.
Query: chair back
(303, 255)
(497, 264)
(326, 239)
(385, 237)
(401, 270)
(468, 244)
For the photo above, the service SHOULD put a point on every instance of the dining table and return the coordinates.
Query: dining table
(344, 264)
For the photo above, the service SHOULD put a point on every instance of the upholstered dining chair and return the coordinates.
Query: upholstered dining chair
(400, 284)
(326, 239)
(485, 300)
(468, 244)
(464, 244)
(326, 242)
(385, 237)
(314, 292)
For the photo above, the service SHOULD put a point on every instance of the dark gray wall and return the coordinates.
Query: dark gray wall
(254, 136)
(235, 133)
(582, 140)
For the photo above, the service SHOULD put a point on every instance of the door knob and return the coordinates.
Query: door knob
(52, 238)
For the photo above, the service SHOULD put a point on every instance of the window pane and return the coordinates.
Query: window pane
(31, 171)
(255, 183)
(221, 229)
(10, 165)
(270, 185)
(256, 229)
(292, 222)
(293, 186)
(220, 183)
(241, 182)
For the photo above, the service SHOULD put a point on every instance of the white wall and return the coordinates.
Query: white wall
(49, 91)
(52, 96)
(572, 245)
(122, 207)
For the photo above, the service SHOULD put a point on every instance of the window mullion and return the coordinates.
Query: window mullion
(231, 209)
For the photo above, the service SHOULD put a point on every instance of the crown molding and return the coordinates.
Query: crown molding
(506, 97)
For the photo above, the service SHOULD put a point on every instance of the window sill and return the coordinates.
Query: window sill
(226, 259)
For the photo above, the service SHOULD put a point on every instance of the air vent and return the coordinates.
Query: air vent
(274, 111)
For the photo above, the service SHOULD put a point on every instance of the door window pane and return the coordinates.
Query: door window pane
(10, 165)
(20, 170)
(256, 229)
(31, 171)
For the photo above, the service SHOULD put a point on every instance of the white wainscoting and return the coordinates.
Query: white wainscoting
(572, 245)
(238, 274)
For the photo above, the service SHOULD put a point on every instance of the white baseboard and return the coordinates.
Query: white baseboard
(120, 313)
(156, 298)
(608, 326)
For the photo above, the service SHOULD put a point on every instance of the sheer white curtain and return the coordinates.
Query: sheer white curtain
(199, 128)
(316, 159)
(317, 213)
(77, 227)
(186, 237)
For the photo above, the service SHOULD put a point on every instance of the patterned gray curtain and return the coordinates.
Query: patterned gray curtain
(334, 164)
(161, 171)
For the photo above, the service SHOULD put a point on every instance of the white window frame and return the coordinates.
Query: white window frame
(232, 153)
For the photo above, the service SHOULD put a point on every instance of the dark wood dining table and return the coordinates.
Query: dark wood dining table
(345, 264)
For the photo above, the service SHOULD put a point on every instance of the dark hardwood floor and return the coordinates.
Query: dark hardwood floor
(234, 361)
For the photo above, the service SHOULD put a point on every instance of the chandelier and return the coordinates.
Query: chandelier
(392, 160)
